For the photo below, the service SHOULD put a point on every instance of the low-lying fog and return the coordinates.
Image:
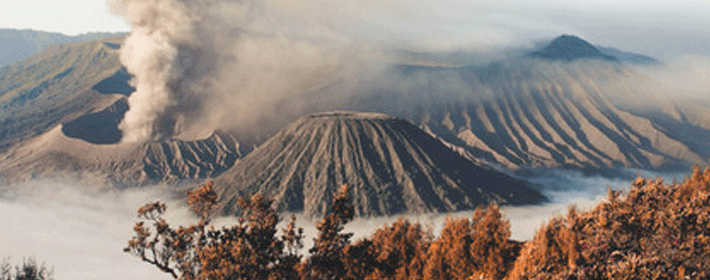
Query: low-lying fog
(81, 233)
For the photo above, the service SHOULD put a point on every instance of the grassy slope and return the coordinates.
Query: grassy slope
(16, 45)
(54, 86)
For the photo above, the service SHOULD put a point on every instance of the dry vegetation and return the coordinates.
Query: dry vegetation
(656, 231)
(29, 270)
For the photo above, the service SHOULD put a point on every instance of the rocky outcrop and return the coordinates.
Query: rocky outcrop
(177, 160)
(55, 155)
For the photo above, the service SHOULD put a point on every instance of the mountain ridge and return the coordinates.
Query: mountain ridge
(19, 44)
(56, 86)
(518, 113)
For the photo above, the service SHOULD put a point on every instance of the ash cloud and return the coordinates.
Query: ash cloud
(232, 64)
(174, 54)
(199, 65)
(242, 64)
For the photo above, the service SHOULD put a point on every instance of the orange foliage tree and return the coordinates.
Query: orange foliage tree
(657, 231)
(327, 260)
(248, 250)
(252, 250)
(398, 251)
(478, 248)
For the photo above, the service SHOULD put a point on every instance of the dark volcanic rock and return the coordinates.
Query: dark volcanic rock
(100, 127)
(567, 47)
(118, 83)
(391, 166)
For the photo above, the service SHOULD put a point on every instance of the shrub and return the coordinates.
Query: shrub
(29, 270)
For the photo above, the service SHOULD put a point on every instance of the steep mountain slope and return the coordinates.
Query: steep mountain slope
(533, 113)
(57, 86)
(391, 165)
(16, 45)
(54, 155)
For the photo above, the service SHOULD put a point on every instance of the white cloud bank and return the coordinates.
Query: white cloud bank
(81, 232)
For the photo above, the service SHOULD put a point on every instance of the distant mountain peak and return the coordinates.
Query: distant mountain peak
(569, 48)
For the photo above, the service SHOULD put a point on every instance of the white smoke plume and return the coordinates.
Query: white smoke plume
(201, 64)
(174, 54)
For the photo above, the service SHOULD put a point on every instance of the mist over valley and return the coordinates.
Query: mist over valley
(423, 111)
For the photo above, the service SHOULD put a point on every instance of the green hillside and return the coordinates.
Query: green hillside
(59, 84)
(16, 45)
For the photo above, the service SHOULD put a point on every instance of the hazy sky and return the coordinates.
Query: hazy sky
(66, 16)
(660, 28)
